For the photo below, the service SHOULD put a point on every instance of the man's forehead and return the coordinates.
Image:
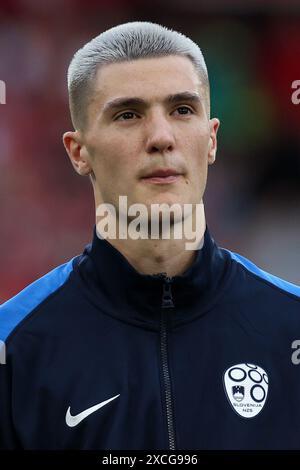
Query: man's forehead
(182, 64)
(149, 79)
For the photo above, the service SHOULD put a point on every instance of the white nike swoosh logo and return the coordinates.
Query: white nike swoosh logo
(72, 421)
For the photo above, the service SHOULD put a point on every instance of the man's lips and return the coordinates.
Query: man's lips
(162, 176)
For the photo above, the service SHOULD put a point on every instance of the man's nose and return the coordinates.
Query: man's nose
(159, 135)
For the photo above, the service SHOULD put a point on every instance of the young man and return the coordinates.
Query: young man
(142, 342)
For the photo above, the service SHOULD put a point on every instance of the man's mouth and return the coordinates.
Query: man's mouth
(162, 176)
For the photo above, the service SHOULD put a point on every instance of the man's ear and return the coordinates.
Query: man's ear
(214, 124)
(77, 152)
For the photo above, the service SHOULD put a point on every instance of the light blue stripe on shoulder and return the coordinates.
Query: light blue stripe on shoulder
(276, 281)
(18, 307)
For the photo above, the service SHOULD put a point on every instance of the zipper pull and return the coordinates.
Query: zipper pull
(167, 298)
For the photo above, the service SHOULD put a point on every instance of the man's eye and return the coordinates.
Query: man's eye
(184, 110)
(128, 115)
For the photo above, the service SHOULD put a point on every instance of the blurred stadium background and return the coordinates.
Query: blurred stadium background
(252, 49)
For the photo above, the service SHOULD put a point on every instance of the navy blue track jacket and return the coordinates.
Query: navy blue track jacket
(99, 356)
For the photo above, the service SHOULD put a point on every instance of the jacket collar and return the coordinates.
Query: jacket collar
(120, 291)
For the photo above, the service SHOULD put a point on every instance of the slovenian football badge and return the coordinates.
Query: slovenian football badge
(246, 387)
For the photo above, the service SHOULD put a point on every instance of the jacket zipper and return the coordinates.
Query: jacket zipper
(167, 304)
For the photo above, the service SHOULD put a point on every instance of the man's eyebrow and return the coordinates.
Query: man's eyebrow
(128, 102)
(184, 96)
(123, 103)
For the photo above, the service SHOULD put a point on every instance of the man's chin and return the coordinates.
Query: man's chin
(166, 198)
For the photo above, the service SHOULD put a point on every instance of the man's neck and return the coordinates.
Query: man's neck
(155, 256)
(150, 256)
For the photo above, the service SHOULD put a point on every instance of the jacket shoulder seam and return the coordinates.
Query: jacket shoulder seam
(35, 311)
(16, 314)
(269, 282)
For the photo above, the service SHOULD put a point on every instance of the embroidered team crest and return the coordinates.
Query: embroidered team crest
(246, 388)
